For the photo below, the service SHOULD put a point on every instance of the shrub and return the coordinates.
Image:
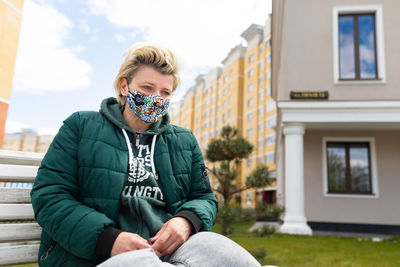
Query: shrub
(266, 230)
(272, 211)
(259, 253)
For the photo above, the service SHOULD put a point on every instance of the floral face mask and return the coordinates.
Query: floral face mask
(148, 108)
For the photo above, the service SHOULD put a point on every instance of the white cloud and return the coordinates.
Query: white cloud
(119, 37)
(45, 62)
(201, 33)
(15, 126)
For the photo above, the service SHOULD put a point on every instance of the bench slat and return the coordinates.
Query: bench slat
(16, 212)
(20, 157)
(17, 173)
(11, 232)
(19, 254)
(15, 195)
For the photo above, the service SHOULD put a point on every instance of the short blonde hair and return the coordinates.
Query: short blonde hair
(137, 56)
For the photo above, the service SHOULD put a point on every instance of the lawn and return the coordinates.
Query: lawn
(295, 250)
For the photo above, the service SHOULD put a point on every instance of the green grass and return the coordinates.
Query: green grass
(295, 250)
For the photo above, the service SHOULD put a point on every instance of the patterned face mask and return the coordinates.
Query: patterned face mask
(148, 108)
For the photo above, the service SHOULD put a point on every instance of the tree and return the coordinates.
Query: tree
(229, 150)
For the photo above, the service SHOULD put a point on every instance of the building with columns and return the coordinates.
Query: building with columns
(336, 84)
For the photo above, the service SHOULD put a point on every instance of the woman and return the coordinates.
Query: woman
(125, 180)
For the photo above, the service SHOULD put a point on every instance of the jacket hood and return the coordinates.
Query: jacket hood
(112, 110)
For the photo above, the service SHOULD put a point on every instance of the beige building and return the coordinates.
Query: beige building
(28, 141)
(10, 24)
(335, 81)
(237, 94)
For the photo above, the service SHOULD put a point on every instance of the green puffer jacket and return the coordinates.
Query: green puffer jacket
(77, 191)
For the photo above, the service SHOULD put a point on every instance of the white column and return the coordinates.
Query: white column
(294, 221)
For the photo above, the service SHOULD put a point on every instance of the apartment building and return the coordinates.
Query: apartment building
(238, 94)
(335, 80)
(10, 24)
(27, 140)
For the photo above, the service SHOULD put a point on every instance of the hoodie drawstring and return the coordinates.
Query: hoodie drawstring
(153, 144)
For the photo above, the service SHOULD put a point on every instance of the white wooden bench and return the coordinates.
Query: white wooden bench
(17, 225)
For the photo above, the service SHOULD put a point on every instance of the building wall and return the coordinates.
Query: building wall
(10, 24)
(315, 33)
(383, 210)
(27, 141)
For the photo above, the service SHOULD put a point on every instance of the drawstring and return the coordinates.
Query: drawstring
(153, 168)
(128, 144)
(153, 144)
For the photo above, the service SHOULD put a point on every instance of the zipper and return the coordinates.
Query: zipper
(46, 253)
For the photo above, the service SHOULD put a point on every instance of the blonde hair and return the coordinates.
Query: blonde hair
(137, 56)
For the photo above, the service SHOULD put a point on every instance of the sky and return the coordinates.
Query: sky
(70, 50)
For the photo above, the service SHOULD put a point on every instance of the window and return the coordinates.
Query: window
(250, 87)
(271, 122)
(250, 117)
(223, 118)
(260, 127)
(250, 102)
(259, 159)
(349, 167)
(249, 132)
(358, 44)
(270, 106)
(248, 163)
(224, 91)
(260, 111)
(268, 74)
(229, 99)
(260, 143)
(251, 58)
(269, 158)
(229, 112)
(261, 49)
(224, 104)
(260, 80)
(260, 65)
(268, 90)
(250, 73)
(357, 47)
(261, 95)
(270, 140)
(230, 73)
(268, 59)
(224, 79)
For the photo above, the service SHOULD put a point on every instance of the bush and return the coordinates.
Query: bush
(265, 230)
(272, 211)
(244, 215)
(259, 253)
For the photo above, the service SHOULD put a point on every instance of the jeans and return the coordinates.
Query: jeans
(200, 250)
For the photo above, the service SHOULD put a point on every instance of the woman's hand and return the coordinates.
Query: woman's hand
(127, 242)
(171, 236)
